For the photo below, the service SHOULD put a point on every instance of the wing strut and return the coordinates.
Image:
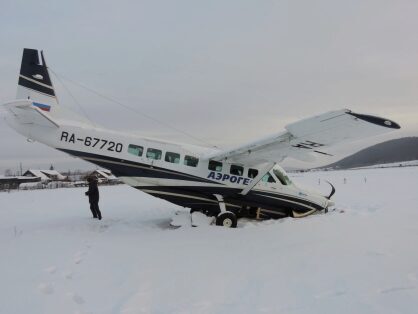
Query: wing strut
(257, 179)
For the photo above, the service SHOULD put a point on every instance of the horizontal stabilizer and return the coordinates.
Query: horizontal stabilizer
(28, 112)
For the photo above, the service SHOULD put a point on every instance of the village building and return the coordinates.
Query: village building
(105, 176)
(45, 175)
(11, 183)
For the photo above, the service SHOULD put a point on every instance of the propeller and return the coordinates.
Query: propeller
(332, 191)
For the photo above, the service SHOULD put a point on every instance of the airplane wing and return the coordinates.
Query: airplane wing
(308, 139)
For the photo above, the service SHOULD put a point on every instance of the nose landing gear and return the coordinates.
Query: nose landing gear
(225, 218)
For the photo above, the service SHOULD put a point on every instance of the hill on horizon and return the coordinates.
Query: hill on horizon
(397, 150)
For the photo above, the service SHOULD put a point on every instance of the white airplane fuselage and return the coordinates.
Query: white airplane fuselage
(192, 185)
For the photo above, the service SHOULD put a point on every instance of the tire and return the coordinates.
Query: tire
(227, 219)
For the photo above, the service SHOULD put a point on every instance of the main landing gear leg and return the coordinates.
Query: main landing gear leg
(225, 218)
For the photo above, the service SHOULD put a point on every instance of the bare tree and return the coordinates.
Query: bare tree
(8, 173)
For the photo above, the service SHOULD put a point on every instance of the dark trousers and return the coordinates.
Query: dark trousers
(94, 207)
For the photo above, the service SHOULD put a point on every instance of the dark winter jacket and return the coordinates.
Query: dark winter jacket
(93, 192)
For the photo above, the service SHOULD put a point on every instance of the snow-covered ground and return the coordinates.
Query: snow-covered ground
(56, 259)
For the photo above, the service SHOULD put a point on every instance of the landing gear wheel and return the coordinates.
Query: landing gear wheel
(227, 219)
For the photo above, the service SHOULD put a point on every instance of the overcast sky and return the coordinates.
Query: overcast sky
(225, 71)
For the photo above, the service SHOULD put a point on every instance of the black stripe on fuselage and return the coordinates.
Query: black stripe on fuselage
(229, 193)
(187, 196)
(127, 168)
(188, 199)
(288, 197)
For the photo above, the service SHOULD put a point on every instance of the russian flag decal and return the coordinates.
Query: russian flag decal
(42, 106)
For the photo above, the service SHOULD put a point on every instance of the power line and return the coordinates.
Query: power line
(108, 98)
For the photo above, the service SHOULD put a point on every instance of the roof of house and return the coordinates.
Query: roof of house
(105, 174)
(45, 174)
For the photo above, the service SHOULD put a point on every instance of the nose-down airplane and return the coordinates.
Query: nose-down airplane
(245, 181)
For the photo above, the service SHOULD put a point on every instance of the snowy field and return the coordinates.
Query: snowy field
(361, 258)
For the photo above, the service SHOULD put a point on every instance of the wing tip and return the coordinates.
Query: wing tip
(376, 120)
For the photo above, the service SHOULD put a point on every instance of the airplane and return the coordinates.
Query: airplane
(244, 181)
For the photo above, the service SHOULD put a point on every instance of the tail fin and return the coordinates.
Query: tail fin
(34, 80)
(35, 85)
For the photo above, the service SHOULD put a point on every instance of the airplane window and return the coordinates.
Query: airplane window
(172, 157)
(191, 161)
(215, 165)
(268, 178)
(284, 179)
(135, 150)
(153, 153)
(252, 173)
(236, 170)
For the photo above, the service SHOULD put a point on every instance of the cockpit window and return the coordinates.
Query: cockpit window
(284, 179)
(268, 178)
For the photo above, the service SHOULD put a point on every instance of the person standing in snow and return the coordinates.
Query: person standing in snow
(93, 194)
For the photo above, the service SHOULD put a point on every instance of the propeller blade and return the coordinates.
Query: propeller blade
(332, 191)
